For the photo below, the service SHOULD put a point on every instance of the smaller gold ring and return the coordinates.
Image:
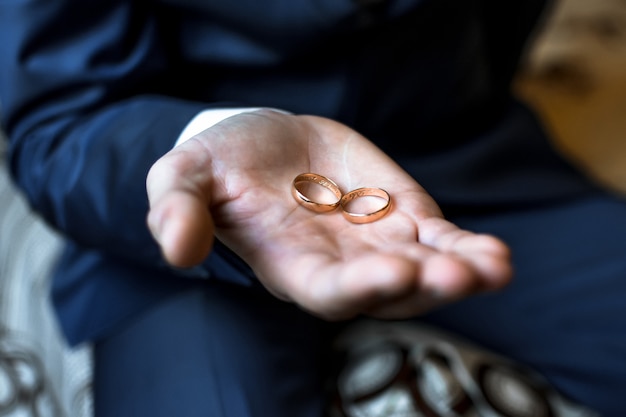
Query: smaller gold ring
(317, 179)
(365, 192)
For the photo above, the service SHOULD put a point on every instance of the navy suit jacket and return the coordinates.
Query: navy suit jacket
(93, 92)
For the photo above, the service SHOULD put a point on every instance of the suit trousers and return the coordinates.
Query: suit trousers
(223, 350)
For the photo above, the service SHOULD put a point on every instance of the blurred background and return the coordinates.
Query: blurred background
(574, 76)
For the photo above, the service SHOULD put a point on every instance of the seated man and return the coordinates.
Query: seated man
(208, 289)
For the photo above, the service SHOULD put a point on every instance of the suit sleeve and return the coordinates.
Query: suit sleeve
(86, 110)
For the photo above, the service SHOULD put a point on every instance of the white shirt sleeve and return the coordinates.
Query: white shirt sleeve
(207, 118)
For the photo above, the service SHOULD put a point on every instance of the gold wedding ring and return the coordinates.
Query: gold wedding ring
(366, 217)
(303, 194)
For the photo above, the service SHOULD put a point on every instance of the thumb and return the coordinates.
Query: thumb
(179, 218)
(182, 225)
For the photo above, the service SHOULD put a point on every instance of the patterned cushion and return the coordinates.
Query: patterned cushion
(39, 373)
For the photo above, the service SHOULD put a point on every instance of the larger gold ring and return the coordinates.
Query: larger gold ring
(319, 207)
(367, 217)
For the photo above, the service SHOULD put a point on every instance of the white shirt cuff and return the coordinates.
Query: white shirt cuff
(207, 118)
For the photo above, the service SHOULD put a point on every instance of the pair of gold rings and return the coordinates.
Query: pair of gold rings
(322, 204)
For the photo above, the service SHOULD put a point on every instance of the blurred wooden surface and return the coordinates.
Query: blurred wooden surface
(575, 77)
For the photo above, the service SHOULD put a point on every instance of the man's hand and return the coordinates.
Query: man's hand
(233, 182)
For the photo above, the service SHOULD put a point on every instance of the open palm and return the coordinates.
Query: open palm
(233, 182)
